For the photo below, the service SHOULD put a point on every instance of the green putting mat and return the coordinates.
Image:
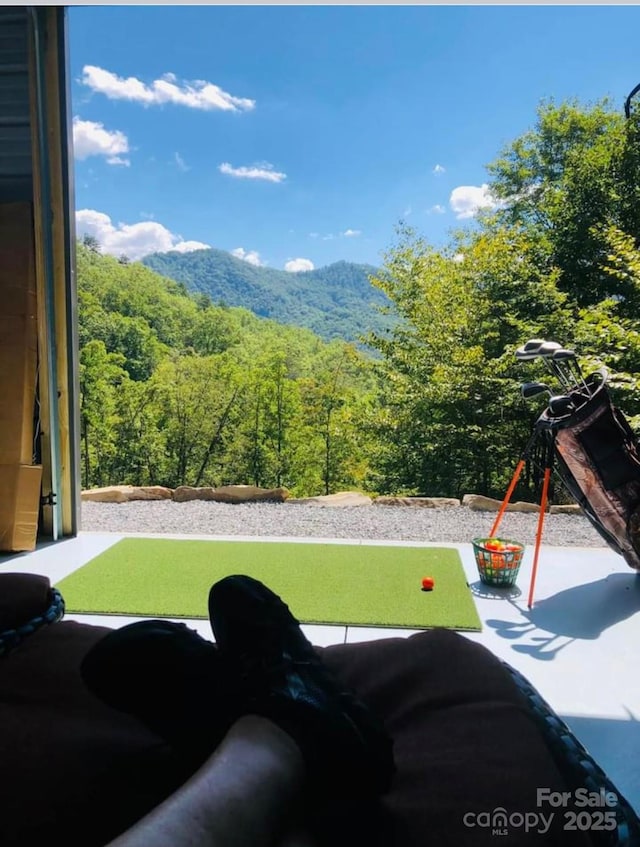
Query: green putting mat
(354, 584)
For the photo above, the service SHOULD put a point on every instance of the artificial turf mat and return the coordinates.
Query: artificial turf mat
(354, 584)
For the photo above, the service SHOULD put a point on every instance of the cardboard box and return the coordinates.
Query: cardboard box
(18, 363)
(18, 333)
(15, 301)
(19, 506)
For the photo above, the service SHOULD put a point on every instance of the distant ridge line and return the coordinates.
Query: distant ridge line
(334, 301)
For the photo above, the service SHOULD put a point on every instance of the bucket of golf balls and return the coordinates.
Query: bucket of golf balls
(498, 560)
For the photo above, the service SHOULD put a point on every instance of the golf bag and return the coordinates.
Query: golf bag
(597, 458)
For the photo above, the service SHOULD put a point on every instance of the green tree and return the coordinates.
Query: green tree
(213, 330)
(91, 243)
(451, 419)
(556, 259)
(575, 173)
(101, 375)
(268, 436)
(141, 457)
(333, 449)
(195, 406)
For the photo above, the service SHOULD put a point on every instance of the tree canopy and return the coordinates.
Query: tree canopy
(556, 258)
(180, 388)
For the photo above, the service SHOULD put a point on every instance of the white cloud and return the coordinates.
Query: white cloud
(330, 236)
(251, 256)
(467, 200)
(294, 265)
(180, 162)
(187, 246)
(196, 94)
(439, 169)
(436, 210)
(263, 170)
(90, 138)
(407, 212)
(134, 240)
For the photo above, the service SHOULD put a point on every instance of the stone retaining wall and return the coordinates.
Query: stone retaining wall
(251, 494)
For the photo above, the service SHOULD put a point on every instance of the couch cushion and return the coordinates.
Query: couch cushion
(71, 765)
(464, 741)
(22, 597)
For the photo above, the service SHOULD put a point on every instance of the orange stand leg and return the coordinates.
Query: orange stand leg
(543, 506)
(507, 497)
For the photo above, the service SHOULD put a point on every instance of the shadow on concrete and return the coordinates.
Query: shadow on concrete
(494, 592)
(582, 612)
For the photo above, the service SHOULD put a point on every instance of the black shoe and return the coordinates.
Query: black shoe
(281, 677)
(167, 676)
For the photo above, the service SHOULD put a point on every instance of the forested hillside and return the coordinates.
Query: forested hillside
(178, 389)
(336, 301)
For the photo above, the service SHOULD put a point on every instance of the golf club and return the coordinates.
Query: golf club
(533, 389)
(546, 351)
(525, 355)
(569, 356)
(532, 344)
(529, 350)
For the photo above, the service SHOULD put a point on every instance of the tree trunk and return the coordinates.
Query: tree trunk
(216, 437)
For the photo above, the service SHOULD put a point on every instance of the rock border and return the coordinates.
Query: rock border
(238, 494)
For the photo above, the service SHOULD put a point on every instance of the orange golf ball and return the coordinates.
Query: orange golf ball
(428, 583)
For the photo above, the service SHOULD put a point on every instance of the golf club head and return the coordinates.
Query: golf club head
(529, 351)
(549, 348)
(563, 355)
(533, 389)
(526, 355)
(561, 405)
(532, 344)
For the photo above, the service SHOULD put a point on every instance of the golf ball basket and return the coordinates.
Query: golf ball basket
(498, 567)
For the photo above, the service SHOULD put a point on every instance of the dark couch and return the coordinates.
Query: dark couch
(471, 738)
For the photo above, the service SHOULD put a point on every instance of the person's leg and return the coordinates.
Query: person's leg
(190, 692)
(346, 748)
(245, 795)
(170, 678)
(347, 752)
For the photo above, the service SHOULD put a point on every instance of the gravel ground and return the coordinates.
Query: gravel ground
(457, 525)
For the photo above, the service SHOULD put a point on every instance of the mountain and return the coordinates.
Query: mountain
(336, 301)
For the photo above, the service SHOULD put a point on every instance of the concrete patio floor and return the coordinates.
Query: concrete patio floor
(578, 644)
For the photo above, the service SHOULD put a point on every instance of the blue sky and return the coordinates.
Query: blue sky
(297, 136)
